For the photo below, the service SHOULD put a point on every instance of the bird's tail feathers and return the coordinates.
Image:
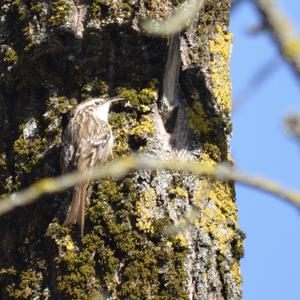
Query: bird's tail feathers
(76, 212)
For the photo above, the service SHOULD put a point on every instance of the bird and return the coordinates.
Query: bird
(87, 141)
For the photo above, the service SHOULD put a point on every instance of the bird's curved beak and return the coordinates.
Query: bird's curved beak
(114, 99)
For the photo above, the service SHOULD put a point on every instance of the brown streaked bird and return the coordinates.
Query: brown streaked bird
(87, 141)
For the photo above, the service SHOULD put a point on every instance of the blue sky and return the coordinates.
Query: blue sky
(261, 146)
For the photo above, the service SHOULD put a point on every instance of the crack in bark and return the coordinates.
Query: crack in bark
(172, 109)
(79, 16)
(171, 76)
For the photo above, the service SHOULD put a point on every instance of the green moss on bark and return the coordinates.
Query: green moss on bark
(125, 252)
(59, 11)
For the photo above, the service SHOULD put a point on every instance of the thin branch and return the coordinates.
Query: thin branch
(121, 167)
(181, 17)
(292, 125)
(282, 30)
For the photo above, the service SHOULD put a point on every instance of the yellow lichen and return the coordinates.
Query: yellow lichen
(221, 209)
(140, 100)
(211, 152)
(130, 128)
(60, 11)
(169, 244)
(182, 240)
(96, 87)
(69, 244)
(205, 158)
(11, 56)
(144, 127)
(145, 208)
(125, 126)
(220, 49)
(179, 192)
(236, 273)
(29, 285)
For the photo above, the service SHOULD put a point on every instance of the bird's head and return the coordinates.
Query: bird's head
(98, 106)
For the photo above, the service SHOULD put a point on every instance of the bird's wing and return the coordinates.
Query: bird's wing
(97, 135)
(85, 142)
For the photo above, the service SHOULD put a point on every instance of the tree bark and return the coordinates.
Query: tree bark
(151, 235)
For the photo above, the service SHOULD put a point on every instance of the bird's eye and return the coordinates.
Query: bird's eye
(97, 102)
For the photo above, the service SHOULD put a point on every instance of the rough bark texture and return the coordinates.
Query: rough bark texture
(57, 53)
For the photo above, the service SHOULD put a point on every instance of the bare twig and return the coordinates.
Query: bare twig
(283, 31)
(178, 21)
(121, 167)
(292, 124)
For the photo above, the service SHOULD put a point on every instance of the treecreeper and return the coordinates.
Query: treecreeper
(87, 141)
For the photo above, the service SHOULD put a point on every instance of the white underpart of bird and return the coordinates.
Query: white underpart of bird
(102, 112)
(87, 141)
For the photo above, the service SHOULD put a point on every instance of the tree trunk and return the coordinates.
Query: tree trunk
(151, 235)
